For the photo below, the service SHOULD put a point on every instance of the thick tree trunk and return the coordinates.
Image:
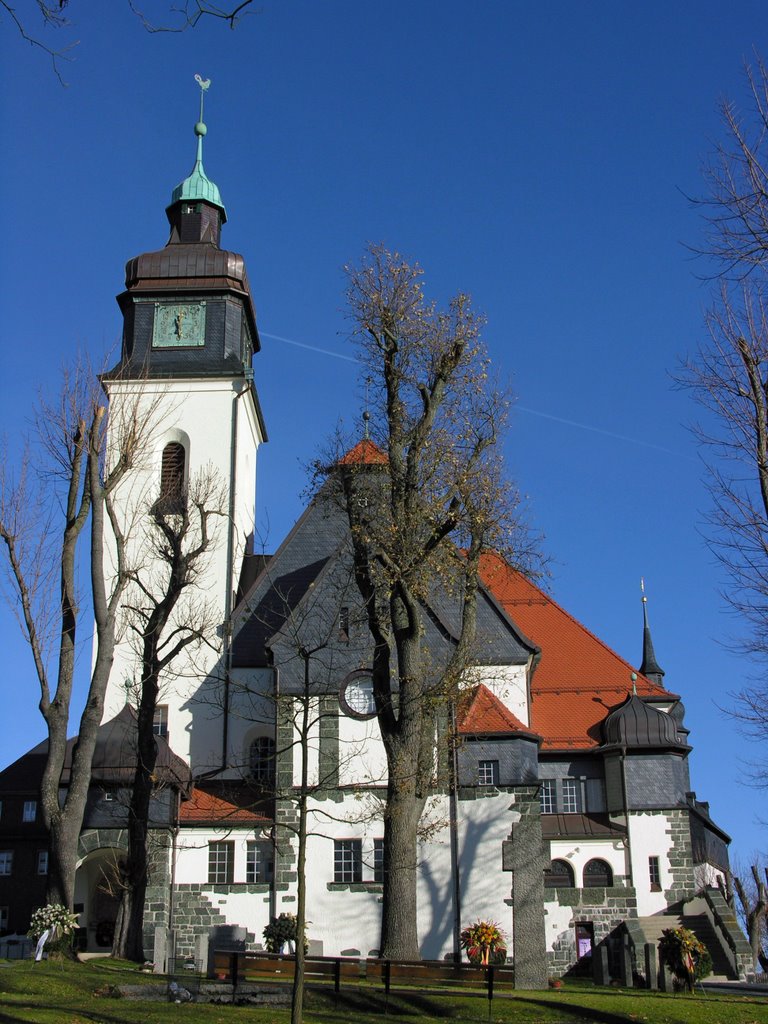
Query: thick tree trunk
(399, 921)
(128, 943)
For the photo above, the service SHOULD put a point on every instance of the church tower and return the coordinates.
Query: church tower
(185, 377)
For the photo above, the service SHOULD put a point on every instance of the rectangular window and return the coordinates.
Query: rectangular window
(548, 796)
(221, 863)
(487, 773)
(378, 860)
(344, 625)
(160, 722)
(3, 919)
(6, 862)
(348, 860)
(259, 862)
(42, 862)
(571, 796)
(30, 810)
(654, 872)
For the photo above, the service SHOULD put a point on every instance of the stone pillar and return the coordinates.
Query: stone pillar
(600, 973)
(651, 966)
(665, 978)
(626, 962)
(526, 855)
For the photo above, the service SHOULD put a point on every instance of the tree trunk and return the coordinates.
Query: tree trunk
(129, 937)
(297, 1000)
(399, 921)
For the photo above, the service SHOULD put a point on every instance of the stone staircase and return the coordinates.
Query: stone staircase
(701, 926)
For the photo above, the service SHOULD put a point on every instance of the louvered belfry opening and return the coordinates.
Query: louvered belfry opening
(172, 491)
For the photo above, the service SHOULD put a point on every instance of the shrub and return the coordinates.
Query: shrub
(280, 930)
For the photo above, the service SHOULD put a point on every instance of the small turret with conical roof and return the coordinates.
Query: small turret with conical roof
(650, 668)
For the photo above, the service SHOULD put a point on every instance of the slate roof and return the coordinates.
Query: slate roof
(114, 759)
(555, 826)
(480, 712)
(579, 679)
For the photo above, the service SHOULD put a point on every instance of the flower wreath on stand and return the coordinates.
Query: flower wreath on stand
(58, 921)
(485, 943)
(280, 930)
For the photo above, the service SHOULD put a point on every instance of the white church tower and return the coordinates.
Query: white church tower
(185, 376)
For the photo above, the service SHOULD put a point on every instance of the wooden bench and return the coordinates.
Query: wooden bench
(237, 966)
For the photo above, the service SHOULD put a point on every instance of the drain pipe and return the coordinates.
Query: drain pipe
(453, 811)
(227, 627)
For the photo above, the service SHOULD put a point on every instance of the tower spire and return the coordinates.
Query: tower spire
(198, 187)
(650, 668)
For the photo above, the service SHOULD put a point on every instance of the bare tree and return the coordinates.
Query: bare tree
(44, 530)
(728, 377)
(753, 900)
(167, 612)
(424, 498)
(53, 14)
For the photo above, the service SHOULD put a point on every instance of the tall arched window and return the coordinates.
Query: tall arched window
(597, 873)
(261, 760)
(172, 477)
(559, 875)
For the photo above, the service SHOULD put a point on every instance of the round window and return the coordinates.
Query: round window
(356, 696)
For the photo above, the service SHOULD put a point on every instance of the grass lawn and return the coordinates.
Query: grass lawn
(64, 993)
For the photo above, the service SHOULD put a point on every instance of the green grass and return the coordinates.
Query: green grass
(63, 993)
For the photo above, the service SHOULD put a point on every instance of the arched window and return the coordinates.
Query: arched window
(261, 759)
(172, 477)
(597, 873)
(559, 875)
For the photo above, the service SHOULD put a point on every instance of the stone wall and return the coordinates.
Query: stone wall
(605, 908)
(195, 913)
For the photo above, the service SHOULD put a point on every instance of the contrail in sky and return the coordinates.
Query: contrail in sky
(520, 408)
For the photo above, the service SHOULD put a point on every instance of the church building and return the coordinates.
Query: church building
(562, 806)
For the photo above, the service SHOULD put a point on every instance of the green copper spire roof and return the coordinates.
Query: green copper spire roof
(198, 186)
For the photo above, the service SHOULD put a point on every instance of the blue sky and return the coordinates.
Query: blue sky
(536, 156)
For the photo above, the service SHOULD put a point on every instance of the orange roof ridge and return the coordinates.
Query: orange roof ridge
(364, 453)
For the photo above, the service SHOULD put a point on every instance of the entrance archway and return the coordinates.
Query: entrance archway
(97, 892)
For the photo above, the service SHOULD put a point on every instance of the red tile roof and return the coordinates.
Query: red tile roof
(366, 453)
(579, 679)
(480, 711)
(206, 807)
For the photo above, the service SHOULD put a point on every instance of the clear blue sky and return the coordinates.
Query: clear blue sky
(535, 155)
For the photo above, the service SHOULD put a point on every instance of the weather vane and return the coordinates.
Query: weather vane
(205, 84)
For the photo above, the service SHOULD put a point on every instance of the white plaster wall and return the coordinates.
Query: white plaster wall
(362, 758)
(507, 682)
(578, 852)
(199, 413)
(648, 837)
(252, 714)
(192, 852)
(313, 741)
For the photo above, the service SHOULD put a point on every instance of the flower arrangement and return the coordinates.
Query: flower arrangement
(485, 943)
(55, 917)
(280, 930)
(686, 957)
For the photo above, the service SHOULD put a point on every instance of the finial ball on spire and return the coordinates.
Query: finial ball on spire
(200, 128)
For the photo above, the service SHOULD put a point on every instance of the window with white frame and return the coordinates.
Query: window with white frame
(259, 862)
(487, 773)
(42, 862)
(378, 860)
(348, 860)
(570, 791)
(654, 872)
(548, 796)
(30, 810)
(221, 863)
(261, 760)
(6, 862)
(160, 721)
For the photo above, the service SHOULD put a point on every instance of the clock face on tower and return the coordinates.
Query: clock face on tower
(356, 697)
(179, 325)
